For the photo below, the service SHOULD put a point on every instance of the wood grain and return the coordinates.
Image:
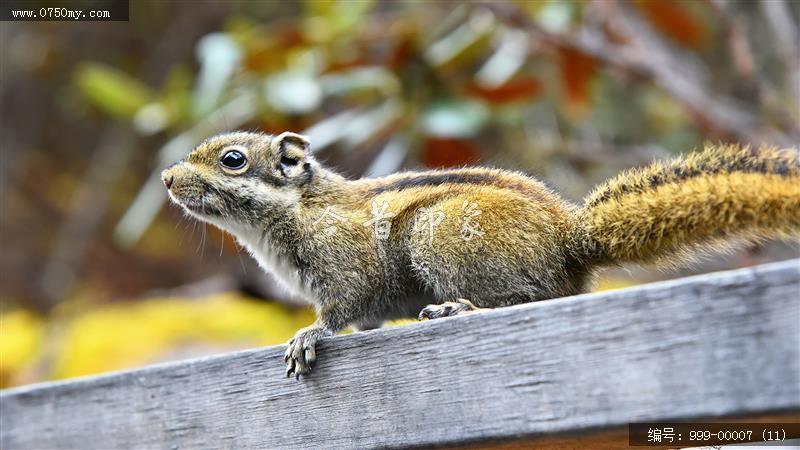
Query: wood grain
(714, 345)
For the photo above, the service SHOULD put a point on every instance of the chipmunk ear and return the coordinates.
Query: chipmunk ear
(292, 150)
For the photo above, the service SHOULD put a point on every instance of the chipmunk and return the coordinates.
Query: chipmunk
(443, 242)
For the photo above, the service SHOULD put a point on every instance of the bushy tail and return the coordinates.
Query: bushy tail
(665, 212)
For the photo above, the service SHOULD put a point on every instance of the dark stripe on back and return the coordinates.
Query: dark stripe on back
(423, 179)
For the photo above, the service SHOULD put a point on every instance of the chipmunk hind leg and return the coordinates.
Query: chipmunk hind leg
(448, 309)
(515, 259)
(463, 281)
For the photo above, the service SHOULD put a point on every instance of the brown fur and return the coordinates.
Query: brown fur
(534, 244)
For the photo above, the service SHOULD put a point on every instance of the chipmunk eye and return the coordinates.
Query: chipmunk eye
(233, 160)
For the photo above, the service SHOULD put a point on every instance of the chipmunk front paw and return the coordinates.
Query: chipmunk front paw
(301, 353)
(447, 309)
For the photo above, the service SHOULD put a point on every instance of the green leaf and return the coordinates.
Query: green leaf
(455, 118)
(329, 19)
(293, 92)
(112, 90)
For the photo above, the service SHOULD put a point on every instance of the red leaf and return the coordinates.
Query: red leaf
(516, 89)
(577, 71)
(447, 152)
(675, 20)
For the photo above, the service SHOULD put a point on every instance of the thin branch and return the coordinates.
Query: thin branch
(786, 35)
(646, 57)
(736, 29)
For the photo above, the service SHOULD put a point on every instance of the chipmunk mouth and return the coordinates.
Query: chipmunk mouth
(202, 209)
(197, 206)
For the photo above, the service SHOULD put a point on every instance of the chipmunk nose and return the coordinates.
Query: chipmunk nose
(167, 179)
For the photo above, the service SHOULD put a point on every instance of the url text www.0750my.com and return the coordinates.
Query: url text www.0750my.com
(59, 14)
(76, 10)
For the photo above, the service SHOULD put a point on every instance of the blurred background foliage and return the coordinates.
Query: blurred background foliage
(98, 275)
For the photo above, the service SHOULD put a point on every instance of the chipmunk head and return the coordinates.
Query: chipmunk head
(233, 179)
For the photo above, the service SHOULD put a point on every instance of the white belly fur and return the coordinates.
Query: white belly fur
(283, 269)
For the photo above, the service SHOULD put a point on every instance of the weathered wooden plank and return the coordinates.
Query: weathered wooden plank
(714, 345)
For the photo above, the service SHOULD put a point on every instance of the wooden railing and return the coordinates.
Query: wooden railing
(554, 373)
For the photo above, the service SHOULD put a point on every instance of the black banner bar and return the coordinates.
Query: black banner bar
(661, 434)
(64, 10)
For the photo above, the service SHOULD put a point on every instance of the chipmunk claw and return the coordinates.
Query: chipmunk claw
(447, 309)
(289, 369)
(301, 352)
